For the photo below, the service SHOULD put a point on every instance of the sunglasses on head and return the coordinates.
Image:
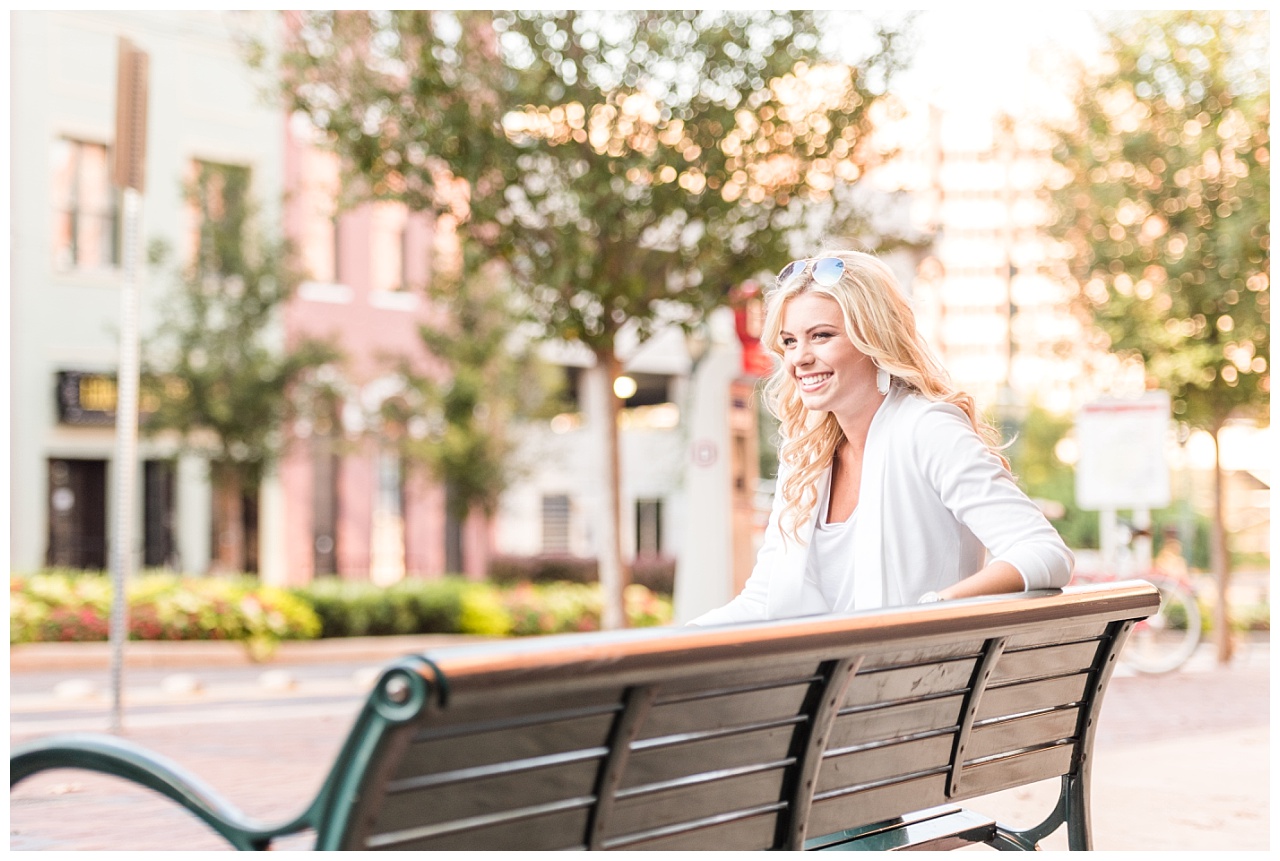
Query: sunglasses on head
(826, 270)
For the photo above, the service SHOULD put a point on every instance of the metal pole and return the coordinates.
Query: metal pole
(125, 465)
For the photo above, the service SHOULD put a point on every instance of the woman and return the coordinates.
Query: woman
(891, 488)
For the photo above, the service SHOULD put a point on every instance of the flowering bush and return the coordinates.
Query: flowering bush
(61, 606)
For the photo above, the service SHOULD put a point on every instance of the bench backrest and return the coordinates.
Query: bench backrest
(741, 737)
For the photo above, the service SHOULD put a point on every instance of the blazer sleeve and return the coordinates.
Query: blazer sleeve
(978, 490)
(752, 603)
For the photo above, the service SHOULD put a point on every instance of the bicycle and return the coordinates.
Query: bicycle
(1168, 639)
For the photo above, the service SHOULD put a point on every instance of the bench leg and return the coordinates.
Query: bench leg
(1072, 809)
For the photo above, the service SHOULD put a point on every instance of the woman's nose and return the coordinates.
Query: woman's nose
(802, 355)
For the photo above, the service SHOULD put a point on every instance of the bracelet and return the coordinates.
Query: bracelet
(929, 598)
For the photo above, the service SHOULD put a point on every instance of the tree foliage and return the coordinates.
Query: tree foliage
(1166, 206)
(216, 370)
(627, 166)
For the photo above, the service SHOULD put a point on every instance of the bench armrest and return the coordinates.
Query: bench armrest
(121, 758)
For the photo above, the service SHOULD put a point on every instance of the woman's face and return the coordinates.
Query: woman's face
(831, 374)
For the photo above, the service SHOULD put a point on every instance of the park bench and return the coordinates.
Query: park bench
(858, 731)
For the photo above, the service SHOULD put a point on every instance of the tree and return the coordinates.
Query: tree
(1166, 209)
(483, 381)
(628, 168)
(214, 370)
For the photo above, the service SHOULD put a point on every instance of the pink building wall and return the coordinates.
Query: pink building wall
(374, 327)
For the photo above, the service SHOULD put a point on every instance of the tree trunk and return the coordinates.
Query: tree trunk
(228, 520)
(453, 523)
(1220, 556)
(613, 575)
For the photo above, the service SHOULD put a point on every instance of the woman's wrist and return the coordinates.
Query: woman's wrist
(930, 598)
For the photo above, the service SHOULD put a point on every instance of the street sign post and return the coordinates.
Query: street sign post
(128, 172)
(1122, 465)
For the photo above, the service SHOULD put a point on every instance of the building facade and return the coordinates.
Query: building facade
(65, 275)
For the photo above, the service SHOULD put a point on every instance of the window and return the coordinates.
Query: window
(387, 241)
(319, 219)
(85, 210)
(555, 523)
(648, 527)
(220, 200)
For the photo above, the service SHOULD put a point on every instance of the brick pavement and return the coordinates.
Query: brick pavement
(1182, 764)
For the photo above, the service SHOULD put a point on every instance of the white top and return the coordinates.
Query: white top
(830, 562)
(934, 503)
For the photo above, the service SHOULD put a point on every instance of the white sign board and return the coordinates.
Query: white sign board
(1122, 463)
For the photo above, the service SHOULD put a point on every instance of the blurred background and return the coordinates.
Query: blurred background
(475, 297)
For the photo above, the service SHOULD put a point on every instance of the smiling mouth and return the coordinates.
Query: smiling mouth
(810, 381)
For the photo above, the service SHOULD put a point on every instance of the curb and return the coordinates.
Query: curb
(43, 657)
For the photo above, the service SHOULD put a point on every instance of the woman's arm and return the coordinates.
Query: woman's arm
(998, 578)
(1025, 550)
(751, 604)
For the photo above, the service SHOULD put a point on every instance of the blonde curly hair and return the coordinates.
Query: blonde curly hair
(880, 323)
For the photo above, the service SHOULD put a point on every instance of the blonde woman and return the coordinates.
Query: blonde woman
(891, 488)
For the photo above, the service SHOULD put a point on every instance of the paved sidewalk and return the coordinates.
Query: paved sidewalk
(1182, 762)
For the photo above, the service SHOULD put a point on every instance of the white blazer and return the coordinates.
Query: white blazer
(934, 501)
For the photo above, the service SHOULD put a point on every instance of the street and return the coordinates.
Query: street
(1182, 759)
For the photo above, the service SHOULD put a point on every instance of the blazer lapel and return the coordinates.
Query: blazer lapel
(869, 574)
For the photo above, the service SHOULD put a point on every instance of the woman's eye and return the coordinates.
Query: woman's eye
(787, 342)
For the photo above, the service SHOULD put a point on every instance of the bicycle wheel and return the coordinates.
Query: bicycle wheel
(1167, 639)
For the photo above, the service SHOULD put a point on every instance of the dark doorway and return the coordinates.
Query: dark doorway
(159, 550)
(77, 514)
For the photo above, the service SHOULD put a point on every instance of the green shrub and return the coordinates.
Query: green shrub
(551, 568)
(483, 612)
(64, 606)
(351, 608)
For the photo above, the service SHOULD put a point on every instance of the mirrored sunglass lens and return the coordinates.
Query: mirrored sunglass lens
(828, 270)
(789, 270)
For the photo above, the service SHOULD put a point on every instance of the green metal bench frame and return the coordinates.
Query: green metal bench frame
(859, 731)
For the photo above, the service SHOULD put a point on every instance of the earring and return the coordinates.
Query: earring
(882, 380)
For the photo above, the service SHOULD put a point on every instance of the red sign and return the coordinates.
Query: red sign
(747, 300)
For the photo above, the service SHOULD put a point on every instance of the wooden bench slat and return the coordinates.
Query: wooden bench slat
(1024, 732)
(746, 709)
(722, 794)
(740, 831)
(908, 654)
(550, 827)
(910, 682)
(695, 754)
(493, 794)
(895, 720)
(1052, 635)
(1024, 697)
(842, 809)
(740, 679)
(1049, 660)
(525, 740)
(1020, 769)
(874, 765)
